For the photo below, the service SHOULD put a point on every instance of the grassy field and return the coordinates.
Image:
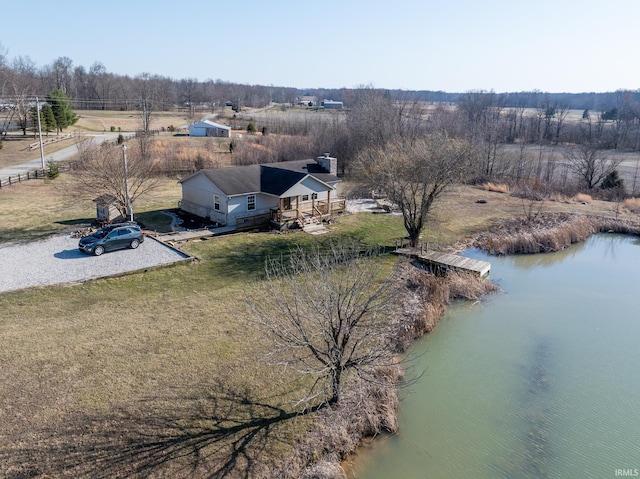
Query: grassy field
(100, 121)
(16, 149)
(105, 356)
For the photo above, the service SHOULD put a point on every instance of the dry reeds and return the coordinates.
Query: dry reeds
(550, 232)
(366, 409)
(429, 296)
(496, 188)
(369, 408)
(583, 198)
(632, 204)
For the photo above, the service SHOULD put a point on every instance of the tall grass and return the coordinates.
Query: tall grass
(497, 188)
(549, 232)
(427, 295)
(632, 204)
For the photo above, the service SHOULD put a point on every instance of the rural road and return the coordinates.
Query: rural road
(60, 155)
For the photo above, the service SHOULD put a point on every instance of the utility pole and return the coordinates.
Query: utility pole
(126, 183)
(40, 133)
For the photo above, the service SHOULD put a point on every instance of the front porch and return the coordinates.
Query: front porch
(302, 213)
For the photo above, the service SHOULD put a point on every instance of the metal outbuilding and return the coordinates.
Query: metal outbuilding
(209, 128)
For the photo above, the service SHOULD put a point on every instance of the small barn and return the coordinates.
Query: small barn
(209, 128)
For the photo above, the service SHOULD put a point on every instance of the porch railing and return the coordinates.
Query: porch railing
(318, 209)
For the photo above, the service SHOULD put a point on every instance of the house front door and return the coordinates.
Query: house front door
(286, 203)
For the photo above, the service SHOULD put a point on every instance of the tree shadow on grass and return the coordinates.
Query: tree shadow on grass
(76, 221)
(228, 434)
(247, 257)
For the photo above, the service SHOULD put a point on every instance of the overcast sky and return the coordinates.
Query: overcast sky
(450, 45)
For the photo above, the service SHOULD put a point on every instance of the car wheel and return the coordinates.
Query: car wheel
(99, 250)
(135, 243)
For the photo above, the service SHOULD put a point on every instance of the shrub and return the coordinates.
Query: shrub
(612, 180)
(52, 169)
(120, 140)
(112, 129)
(251, 128)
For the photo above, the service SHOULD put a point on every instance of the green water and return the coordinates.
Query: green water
(540, 381)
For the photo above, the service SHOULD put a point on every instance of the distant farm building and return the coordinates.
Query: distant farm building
(307, 100)
(209, 128)
(331, 104)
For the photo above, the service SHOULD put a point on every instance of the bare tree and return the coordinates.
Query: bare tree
(147, 89)
(561, 112)
(99, 84)
(101, 171)
(415, 173)
(61, 71)
(590, 164)
(21, 109)
(326, 315)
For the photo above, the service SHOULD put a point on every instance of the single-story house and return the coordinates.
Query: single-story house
(209, 128)
(278, 193)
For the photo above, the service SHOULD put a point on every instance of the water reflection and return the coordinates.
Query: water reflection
(538, 383)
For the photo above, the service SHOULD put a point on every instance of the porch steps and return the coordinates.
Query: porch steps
(315, 229)
(313, 226)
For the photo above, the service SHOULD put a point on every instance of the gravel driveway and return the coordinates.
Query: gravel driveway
(57, 260)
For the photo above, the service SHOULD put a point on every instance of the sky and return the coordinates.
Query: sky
(449, 45)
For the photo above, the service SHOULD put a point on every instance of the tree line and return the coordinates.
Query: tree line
(96, 88)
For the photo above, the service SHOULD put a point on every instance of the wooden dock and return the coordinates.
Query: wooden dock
(438, 261)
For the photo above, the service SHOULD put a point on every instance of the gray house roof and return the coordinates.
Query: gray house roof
(270, 178)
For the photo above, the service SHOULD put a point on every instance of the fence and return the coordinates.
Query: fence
(38, 173)
(48, 141)
(19, 178)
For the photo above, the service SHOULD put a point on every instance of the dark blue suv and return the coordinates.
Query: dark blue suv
(112, 237)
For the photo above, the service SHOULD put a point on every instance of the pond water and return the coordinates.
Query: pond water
(540, 381)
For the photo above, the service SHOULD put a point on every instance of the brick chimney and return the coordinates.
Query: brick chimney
(328, 164)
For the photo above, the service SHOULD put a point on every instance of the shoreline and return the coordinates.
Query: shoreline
(547, 233)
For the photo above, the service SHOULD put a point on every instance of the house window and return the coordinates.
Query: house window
(314, 196)
(216, 202)
(251, 202)
(305, 197)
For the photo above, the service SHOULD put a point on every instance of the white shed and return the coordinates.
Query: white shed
(209, 128)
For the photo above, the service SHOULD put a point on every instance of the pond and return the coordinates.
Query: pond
(540, 381)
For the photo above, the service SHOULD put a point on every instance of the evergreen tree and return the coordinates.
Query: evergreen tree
(612, 180)
(47, 118)
(33, 119)
(61, 108)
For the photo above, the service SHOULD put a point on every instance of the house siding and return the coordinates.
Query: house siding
(197, 198)
(238, 207)
(308, 186)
